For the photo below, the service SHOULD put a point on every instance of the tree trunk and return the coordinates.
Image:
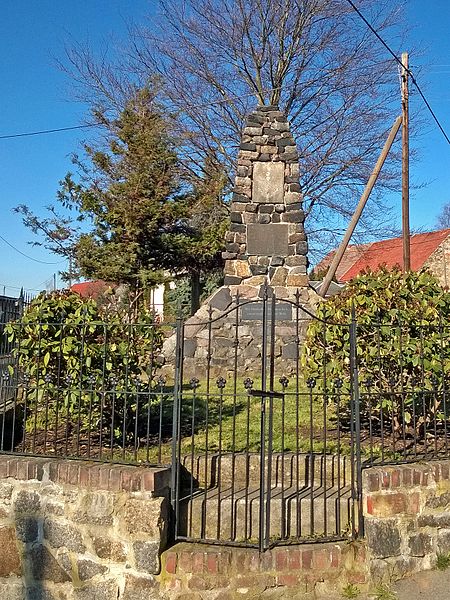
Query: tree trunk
(195, 291)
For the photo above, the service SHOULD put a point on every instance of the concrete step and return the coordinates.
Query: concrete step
(229, 514)
(287, 469)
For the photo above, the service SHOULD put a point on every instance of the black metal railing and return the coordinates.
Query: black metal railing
(85, 390)
(265, 454)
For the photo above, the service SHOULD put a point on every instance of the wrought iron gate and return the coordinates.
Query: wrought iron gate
(262, 454)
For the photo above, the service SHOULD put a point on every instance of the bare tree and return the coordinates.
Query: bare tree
(216, 59)
(443, 219)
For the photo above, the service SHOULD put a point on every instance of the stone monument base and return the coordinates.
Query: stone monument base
(225, 336)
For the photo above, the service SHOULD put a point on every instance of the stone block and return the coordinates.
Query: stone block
(27, 502)
(140, 588)
(258, 269)
(279, 277)
(443, 541)
(242, 268)
(263, 219)
(60, 534)
(87, 569)
(277, 261)
(296, 261)
(9, 554)
(297, 280)
(144, 517)
(221, 299)
(96, 508)
(267, 240)
(109, 549)
(294, 216)
(268, 149)
(301, 248)
(27, 529)
(232, 280)
(146, 557)
(420, 544)
(256, 280)
(43, 565)
(101, 590)
(292, 198)
(253, 131)
(268, 183)
(14, 590)
(248, 146)
(383, 537)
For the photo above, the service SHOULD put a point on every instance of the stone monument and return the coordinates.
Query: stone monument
(265, 252)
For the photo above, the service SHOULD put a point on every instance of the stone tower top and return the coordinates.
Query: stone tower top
(266, 242)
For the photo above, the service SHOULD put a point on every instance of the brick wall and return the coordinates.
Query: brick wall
(223, 573)
(80, 531)
(407, 521)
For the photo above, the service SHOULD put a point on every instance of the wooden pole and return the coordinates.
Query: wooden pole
(405, 165)
(361, 204)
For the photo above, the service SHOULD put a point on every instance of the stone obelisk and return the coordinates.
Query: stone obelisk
(265, 246)
(266, 241)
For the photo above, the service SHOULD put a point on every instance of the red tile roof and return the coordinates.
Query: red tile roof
(91, 289)
(387, 253)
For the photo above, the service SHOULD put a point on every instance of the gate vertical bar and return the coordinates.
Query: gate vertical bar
(356, 438)
(262, 447)
(270, 422)
(175, 473)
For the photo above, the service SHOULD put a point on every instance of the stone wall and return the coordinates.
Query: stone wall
(79, 531)
(439, 263)
(72, 530)
(407, 521)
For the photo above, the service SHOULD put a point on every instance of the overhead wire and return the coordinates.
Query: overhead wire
(88, 125)
(407, 70)
(42, 262)
(45, 131)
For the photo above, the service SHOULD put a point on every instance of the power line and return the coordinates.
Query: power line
(42, 262)
(392, 53)
(60, 129)
(45, 131)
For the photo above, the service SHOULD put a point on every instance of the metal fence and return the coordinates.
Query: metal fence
(85, 390)
(263, 454)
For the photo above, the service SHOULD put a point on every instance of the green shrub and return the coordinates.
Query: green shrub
(78, 361)
(403, 344)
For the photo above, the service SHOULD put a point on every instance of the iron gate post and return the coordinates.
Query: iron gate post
(176, 424)
(356, 426)
(262, 448)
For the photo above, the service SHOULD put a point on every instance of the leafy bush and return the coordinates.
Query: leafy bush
(81, 363)
(403, 344)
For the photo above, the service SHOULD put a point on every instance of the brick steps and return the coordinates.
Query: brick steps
(287, 468)
(229, 514)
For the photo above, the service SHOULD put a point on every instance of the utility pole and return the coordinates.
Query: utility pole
(405, 164)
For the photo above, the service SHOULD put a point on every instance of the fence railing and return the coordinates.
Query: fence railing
(85, 390)
(93, 390)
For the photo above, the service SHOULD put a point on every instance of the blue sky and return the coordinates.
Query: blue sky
(36, 96)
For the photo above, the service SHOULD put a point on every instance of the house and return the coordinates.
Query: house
(428, 250)
(94, 289)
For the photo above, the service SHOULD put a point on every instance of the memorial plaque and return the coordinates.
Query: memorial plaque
(254, 311)
(270, 239)
(268, 182)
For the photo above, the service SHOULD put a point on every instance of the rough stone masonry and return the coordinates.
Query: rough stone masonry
(266, 245)
(266, 241)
